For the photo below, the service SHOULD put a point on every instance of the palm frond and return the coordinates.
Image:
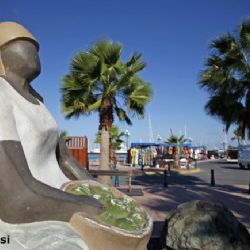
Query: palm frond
(115, 137)
(107, 51)
(122, 115)
(98, 77)
(244, 34)
(174, 139)
(223, 43)
(133, 59)
(226, 77)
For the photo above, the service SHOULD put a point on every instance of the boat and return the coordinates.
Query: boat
(121, 155)
(122, 150)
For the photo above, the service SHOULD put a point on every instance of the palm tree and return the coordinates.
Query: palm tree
(64, 136)
(227, 79)
(116, 140)
(237, 136)
(99, 81)
(174, 139)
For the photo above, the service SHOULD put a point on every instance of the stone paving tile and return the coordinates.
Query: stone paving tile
(159, 201)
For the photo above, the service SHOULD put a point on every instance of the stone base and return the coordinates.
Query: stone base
(52, 235)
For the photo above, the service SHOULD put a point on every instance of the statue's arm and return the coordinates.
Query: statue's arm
(70, 167)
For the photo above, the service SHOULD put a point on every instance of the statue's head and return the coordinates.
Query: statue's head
(18, 51)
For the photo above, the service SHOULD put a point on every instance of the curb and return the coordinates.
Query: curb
(187, 171)
(192, 171)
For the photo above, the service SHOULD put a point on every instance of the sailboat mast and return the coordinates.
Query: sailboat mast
(151, 135)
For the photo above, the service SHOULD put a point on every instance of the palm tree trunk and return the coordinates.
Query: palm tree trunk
(112, 155)
(106, 121)
(176, 157)
(104, 156)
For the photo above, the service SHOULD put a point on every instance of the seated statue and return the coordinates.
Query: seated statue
(34, 162)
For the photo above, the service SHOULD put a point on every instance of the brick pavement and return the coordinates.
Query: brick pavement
(159, 201)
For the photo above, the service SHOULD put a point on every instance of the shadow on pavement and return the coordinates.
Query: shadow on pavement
(224, 162)
(235, 167)
(183, 188)
(173, 178)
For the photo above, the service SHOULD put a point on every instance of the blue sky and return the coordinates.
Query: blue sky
(172, 35)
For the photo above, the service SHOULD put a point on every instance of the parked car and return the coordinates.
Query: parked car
(222, 154)
(213, 154)
(232, 155)
(244, 158)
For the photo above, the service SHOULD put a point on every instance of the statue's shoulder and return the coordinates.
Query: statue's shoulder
(4, 91)
(8, 129)
(2, 83)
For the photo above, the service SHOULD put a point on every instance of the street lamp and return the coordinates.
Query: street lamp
(158, 138)
(127, 134)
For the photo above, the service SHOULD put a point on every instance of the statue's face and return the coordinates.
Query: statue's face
(21, 57)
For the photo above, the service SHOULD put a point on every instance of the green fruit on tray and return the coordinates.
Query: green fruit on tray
(119, 212)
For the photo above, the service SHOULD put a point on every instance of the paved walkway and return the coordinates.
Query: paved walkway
(159, 201)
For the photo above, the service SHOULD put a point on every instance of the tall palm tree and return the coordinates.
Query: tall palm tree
(227, 79)
(99, 81)
(237, 136)
(177, 140)
(116, 140)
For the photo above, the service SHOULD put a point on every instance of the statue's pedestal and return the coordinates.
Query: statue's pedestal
(53, 235)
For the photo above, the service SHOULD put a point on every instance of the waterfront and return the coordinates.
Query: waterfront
(94, 158)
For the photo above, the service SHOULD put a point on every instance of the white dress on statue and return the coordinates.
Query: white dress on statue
(36, 129)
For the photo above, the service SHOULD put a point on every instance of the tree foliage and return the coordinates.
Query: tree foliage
(64, 135)
(174, 139)
(100, 82)
(237, 135)
(116, 137)
(226, 78)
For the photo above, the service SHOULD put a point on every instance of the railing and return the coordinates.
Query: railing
(134, 172)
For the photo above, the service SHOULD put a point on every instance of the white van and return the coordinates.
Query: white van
(244, 158)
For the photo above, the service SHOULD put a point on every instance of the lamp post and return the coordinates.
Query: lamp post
(127, 134)
(158, 138)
